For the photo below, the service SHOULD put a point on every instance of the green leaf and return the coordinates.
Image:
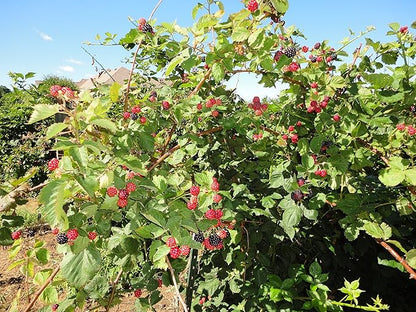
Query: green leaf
(98, 287)
(55, 129)
(280, 6)
(80, 156)
(411, 258)
(115, 92)
(12, 221)
(79, 268)
(411, 176)
(394, 26)
(42, 254)
(146, 141)
(161, 252)
(240, 34)
(292, 216)
(391, 176)
(49, 295)
(315, 269)
(5, 236)
(43, 111)
(173, 63)
(379, 81)
(218, 72)
(105, 123)
(41, 277)
(52, 196)
(376, 230)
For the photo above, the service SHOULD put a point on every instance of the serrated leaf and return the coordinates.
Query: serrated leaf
(105, 123)
(376, 230)
(43, 111)
(411, 258)
(411, 176)
(55, 129)
(173, 63)
(391, 176)
(291, 216)
(98, 287)
(79, 268)
(280, 6)
(240, 34)
(218, 72)
(52, 197)
(161, 252)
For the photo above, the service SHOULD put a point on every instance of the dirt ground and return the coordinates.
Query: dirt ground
(13, 280)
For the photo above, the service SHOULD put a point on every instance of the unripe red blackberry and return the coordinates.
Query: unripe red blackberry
(194, 190)
(112, 191)
(137, 293)
(211, 214)
(185, 250)
(54, 90)
(252, 5)
(175, 252)
(72, 234)
(16, 235)
(53, 164)
(123, 194)
(171, 242)
(92, 235)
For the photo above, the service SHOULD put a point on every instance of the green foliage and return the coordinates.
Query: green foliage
(357, 171)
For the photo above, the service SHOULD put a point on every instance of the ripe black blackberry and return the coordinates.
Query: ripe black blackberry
(297, 195)
(333, 56)
(290, 52)
(61, 238)
(313, 59)
(147, 28)
(30, 233)
(199, 237)
(214, 239)
(134, 116)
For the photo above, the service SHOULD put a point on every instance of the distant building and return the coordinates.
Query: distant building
(107, 77)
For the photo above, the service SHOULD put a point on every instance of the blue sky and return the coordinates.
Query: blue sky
(46, 36)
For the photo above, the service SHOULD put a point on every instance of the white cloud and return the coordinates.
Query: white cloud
(73, 61)
(67, 68)
(44, 36)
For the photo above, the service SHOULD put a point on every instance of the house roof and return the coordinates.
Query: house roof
(119, 75)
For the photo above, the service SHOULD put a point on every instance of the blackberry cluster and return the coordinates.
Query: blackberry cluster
(147, 28)
(134, 116)
(199, 237)
(61, 238)
(290, 52)
(214, 239)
